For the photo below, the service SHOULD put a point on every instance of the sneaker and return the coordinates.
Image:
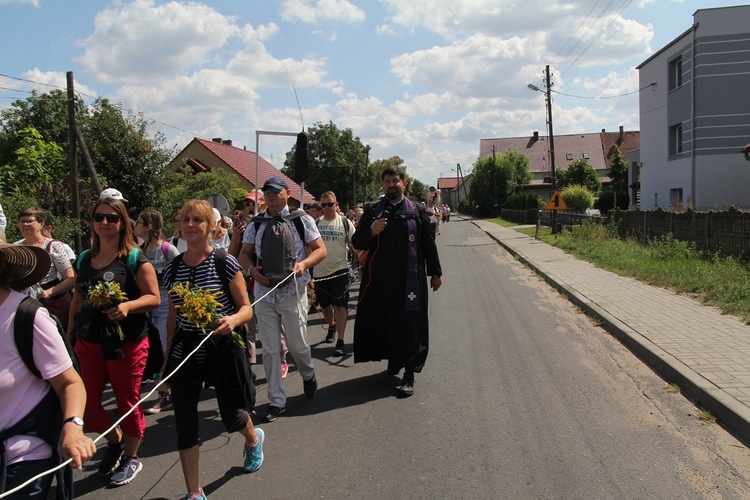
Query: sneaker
(284, 369)
(163, 403)
(407, 385)
(273, 413)
(193, 496)
(331, 334)
(254, 455)
(111, 458)
(339, 350)
(310, 386)
(126, 472)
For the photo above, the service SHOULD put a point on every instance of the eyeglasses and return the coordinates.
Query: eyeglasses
(111, 218)
(271, 190)
(327, 204)
(27, 222)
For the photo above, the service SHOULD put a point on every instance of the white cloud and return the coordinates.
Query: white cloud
(139, 39)
(34, 3)
(57, 79)
(308, 11)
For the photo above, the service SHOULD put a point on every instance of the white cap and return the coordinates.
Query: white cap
(217, 215)
(112, 193)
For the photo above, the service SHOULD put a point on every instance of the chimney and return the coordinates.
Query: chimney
(536, 135)
(227, 142)
(216, 139)
(622, 134)
(604, 131)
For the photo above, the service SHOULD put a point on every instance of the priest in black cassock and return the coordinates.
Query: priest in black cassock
(392, 321)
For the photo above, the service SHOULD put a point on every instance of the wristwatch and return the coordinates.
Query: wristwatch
(76, 420)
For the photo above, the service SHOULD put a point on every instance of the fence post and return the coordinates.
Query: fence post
(645, 226)
(707, 230)
(671, 223)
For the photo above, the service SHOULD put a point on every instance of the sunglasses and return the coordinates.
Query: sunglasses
(271, 190)
(111, 218)
(327, 204)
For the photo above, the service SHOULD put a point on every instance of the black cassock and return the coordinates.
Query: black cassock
(383, 328)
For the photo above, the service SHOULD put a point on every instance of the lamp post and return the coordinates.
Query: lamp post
(548, 97)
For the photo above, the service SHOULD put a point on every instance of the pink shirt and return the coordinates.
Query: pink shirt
(20, 390)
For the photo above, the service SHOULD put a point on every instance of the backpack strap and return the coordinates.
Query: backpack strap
(173, 270)
(80, 258)
(220, 261)
(23, 332)
(165, 249)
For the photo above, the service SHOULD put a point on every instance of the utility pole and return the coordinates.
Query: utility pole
(73, 158)
(553, 179)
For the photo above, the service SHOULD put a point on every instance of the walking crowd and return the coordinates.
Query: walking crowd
(136, 306)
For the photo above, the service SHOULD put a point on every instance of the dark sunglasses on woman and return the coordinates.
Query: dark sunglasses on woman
(111, 218)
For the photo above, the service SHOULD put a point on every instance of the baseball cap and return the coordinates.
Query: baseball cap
(276, 182)
(217, 215)
(112, 193)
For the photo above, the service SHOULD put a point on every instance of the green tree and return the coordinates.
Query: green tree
(36, 162)
(126, 156)
(581, 173)
(495, 177)
(338, 161)
(618, 171)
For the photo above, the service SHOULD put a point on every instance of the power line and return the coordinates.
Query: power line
(606, 96)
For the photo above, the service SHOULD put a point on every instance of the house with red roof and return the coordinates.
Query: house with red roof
(597, 149)
(202, 155)
(454, 189)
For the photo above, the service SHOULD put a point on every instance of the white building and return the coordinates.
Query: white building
(695, 117)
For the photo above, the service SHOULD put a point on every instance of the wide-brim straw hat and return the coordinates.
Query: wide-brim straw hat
(22, 265)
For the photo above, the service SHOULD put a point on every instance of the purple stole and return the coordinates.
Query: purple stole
(412, 275)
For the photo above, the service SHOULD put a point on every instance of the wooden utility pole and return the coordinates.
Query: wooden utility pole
(553, 179)
(73, 159)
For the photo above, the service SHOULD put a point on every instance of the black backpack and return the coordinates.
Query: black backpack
(277, 246)
(23, 334)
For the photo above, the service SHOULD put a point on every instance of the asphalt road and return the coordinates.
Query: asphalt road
(522, 397)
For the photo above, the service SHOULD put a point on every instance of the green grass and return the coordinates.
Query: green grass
(719, 281)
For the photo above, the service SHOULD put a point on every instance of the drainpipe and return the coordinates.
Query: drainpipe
(693, 127)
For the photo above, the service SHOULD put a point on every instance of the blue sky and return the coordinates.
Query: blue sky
(421, 79)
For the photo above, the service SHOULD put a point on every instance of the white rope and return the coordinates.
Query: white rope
(142, 400)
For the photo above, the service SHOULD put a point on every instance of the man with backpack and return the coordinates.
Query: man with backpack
(332, 274)
(273, 253)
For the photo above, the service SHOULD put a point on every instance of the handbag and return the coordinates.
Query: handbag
(59, 306)
(155, 358)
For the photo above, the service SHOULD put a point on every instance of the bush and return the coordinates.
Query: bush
(522, 201)
(578, 198)
(606, 200)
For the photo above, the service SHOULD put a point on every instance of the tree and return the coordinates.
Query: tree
(618, 171)
(337, 162)
(495, 177)
(126, 156)
(581, 173)
(36, 162)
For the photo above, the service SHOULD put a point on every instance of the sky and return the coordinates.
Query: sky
(424, 80)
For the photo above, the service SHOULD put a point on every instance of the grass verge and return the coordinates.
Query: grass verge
(723, 282)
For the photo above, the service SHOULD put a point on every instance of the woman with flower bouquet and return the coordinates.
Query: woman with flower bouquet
(113, 292)
(207, 293)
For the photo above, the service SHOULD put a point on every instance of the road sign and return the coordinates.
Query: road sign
(556, 202)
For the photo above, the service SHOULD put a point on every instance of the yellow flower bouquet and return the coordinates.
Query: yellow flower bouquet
(200, 307)
(106, 295)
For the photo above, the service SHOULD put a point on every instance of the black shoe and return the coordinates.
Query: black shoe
(311, 386)
(273, 413)
(111, 459)
(407, 385)
(339, 350)
(331, 334)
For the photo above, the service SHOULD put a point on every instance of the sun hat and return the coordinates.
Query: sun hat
(217, 215)
(112, 193)
(22, 265)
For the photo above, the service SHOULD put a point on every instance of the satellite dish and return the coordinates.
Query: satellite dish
(220, 203)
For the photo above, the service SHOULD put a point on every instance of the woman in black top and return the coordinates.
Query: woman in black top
(104, 355)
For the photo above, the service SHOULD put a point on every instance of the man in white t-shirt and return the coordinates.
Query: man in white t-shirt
(332, 273)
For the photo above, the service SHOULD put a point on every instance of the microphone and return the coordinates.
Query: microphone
(387, 211)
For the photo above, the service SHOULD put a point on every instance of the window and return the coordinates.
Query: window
(675, 197)
(675, 140)
(586, 156)
(569, 156)
(675, 73)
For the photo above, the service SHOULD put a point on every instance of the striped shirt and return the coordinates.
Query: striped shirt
(204, 276)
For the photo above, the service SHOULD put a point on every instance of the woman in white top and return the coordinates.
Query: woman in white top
(148, 227)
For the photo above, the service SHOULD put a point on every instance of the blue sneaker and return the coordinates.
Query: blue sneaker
(254, 456)
(194, 497)
(127, 470)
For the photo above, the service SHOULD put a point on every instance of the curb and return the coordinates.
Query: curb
(734, 415)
